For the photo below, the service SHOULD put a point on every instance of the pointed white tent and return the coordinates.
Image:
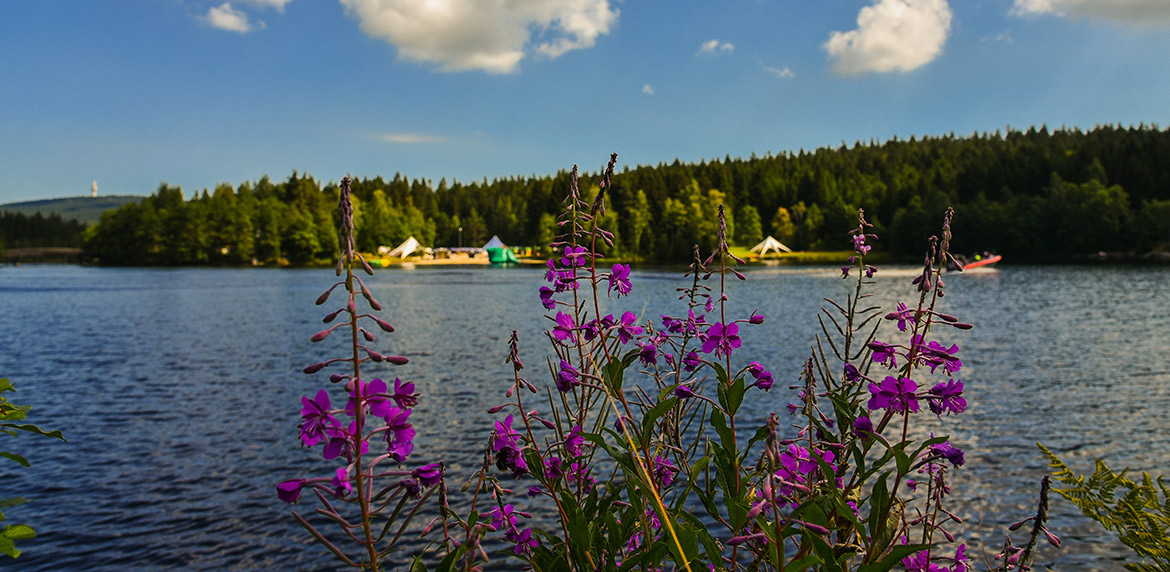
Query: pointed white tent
(770, 244)
(495, 242)
(408, 246)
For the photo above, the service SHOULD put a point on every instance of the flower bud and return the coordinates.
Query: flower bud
(315, 367)
(396, 360)
(367, 335)
(386, 327)
(321, 335)
(756, 319)
(1016, 525)
(1052, 538)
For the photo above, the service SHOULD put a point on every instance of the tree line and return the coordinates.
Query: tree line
(19, 230)
(1031, 195)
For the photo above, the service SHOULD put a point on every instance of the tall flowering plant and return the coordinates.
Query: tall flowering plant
(635, 454)
(369, 495)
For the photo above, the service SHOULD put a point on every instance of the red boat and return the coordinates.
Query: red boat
(984, 260)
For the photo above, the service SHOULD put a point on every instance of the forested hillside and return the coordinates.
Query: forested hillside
(1034, 195)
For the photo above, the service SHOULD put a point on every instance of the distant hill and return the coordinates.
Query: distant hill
(84, 209)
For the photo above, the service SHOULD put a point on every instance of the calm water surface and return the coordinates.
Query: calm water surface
(179, 393)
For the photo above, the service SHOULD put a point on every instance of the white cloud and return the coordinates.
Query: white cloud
(892, 35)
(715, 46)
(489, 35)
(225, 17)
(278, 4)
(782, 73)
(646, 89)
(1141, 12)
(411, 138)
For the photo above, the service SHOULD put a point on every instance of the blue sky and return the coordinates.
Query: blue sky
(194, 93)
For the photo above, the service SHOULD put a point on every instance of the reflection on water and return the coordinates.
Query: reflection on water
(179, 392)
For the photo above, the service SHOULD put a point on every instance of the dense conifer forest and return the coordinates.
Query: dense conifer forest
(1031, 195)
(19, 230)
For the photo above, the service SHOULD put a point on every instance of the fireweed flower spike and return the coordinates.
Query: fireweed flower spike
(371, 407)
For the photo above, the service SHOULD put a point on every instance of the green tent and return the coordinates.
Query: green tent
(501, 255)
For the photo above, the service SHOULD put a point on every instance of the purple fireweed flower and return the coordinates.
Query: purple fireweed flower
(684, 392)
(763, 377)
(524, 541)
(859, 245)
(934, 354)
(664, 471)
(672, 325)
(648, 354)
(500, 517)
(851, 372)
(574, 256)
(290, 491)
(535, 491)
(756, 319)
(554, 468)
(863, 428)
(565, 330)
(546, 298)
(512, 459)
(578, 475)
(342, 442)
(797, 459)
(902, 315)
(374, 395)
(550, 275)
(506, 436)
(341, 484)
(575, 442)
(399, 434)
(764, 381)
(948, 397)
(619, 279)
(721, 339)
(626, 328)
(317, 418)
(895, 394)
(691, 361)
(884, 354)
(951, 453)
(845, 271)
(693, 321)
(567, 377)
(404, 394)
(428, 475)
(411, 486)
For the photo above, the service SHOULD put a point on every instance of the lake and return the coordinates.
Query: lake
(179, 392)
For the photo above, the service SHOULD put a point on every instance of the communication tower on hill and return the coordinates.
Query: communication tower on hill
(93, 189)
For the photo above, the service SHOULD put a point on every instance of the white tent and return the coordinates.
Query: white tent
(770, 244)
(408, 246)
(495, 242)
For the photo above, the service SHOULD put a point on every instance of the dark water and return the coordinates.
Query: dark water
(179, 393)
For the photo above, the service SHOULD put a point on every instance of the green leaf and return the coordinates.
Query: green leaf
(9, 503)
(726, 437)
(35, 429)
(18, 532)
(658, 411)
(5, 385)
(893, 558)
(14, 457)
(735, 395)
(8, 547)
(9, 412)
